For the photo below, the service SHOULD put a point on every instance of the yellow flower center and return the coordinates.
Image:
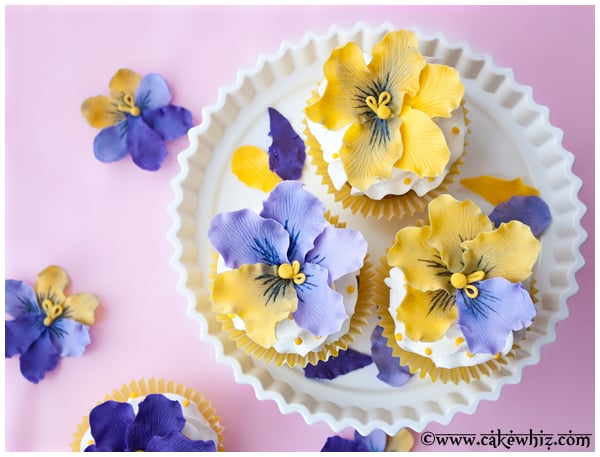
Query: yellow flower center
(52, 311)
(128, 106)
(462, 281)
(287, 271)
(380, 106)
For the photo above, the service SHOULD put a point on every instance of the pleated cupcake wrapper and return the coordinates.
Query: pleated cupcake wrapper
(359, 319)
(424, 366)
(144, 387)
(391, 206)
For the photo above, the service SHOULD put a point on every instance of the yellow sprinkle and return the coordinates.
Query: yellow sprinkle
(350, 289)
(134, 395)
(298, 341)
(428, 351)
(469, 354)
(335, 155)
(90, 442)
(231, 315)
(398, 336)
(455, 130)
(430, 179)
(497, 356)
(407, 181)
(460, 340)
(185, 402)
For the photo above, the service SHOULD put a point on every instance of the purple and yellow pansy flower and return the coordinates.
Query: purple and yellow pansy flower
(388, 107)
(376, 441)
(47, 324)
(136, 119)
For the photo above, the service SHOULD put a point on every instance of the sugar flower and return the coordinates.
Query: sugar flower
(156, 427)
(376, 441)
(47, 325)
(136, 119)
(461, 269)
(283, 262)
(388, 107)
(389, 368)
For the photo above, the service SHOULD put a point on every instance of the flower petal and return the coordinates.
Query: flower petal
(426, 152)
(486, 321)
(69, 337)
(299, 212)
(389, 369)
(440, 91)
(346, 72)
(374, 441)
(345, 362)
(287, 152)
(169, 121)
(453, 222)
(81, 307)
(320, 309)
(51, 283)
(124, 82)
(108, 423)
(157, 416)
(152, 92)
(100, 112)
(41, 357)
(497, 190)
(339, 251)
(110, 144)
(177, 442)
(258, 296)
(243, 237)
(508, 252)
(530, 210)
(403, 441)
(339, 444)
(251, 166)
(19, 299)
(21, 333)
(146, 147)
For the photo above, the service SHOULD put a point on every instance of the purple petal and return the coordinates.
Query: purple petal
(243, 237)
(374, 441)
(21, 333)
(345, 362)
(169, 121)
(41, 357)
(157, 416)
(110, 144)
(19, 299)
(177, 442)
(339, 444)
(530, 210)
(287, 152)
(300, 213)
(389, 368)
(108, 424)
(320, 308)
(340, 251)
(146, 147)
(152, 92)
(500, 307)
(70, 337)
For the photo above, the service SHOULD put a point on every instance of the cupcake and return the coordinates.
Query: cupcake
(458, 292)
(150, 416)
(290, 284)
(386, 137)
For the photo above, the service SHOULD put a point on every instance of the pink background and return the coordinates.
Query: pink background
(107, 224)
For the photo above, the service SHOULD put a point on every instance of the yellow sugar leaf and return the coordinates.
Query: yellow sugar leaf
(251, 166)
(497, 190)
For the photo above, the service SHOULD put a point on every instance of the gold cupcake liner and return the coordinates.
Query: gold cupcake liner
(422, 365)
(154, 386)
(391, 206)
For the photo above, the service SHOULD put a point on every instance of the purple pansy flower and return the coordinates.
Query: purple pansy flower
(373, 442)
(136, 119)
(287, 152)
(47, 325)
(389, 368)
(529, 209)
(157, 427)
(283, 261)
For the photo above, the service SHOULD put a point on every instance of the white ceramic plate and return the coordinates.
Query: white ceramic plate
(511, 136)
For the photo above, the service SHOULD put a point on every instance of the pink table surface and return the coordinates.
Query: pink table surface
(107, 224)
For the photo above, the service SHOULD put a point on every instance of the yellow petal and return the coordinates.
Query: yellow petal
(453, 222)
(440, 91)
(124, 82)
(397, 57)
(508, 252)
(426, 315)
(245, 292)
(403, 441)
(51, 284)
(497, 190)
(100, 112)
(365, 161)
(81, 307)
(425, 150)
(251, 165)
(346, 73)
(420, 263)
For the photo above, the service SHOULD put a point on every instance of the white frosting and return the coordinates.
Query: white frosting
(401, 181)
(196, 426)
(293, 339)
(445, 353)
